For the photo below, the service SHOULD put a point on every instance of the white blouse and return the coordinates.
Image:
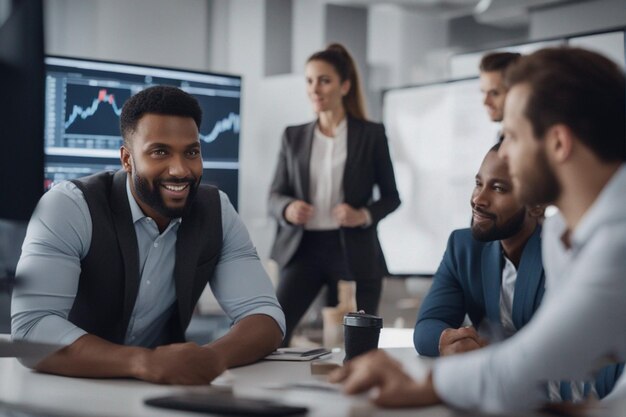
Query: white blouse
(328, 160)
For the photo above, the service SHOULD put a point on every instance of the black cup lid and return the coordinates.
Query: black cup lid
(362, 320)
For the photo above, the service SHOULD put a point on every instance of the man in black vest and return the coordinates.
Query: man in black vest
(113, 264)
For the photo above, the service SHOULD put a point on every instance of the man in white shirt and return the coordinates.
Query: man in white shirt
(565, 127)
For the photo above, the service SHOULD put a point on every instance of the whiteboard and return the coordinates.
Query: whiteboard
(438, 135)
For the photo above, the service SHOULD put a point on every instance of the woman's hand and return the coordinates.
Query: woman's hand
(348, 216)
(298, 212)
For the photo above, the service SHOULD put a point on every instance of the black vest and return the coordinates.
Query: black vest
(109, 278)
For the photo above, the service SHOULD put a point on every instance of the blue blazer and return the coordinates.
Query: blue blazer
(468, 282)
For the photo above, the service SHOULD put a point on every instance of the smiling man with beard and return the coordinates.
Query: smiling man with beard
(491, 272)
(113, 264)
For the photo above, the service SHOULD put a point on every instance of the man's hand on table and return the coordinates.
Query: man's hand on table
(181, 364)
(465, 339)
(392, 386)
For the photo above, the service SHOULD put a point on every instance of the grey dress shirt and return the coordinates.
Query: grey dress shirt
(59, 236)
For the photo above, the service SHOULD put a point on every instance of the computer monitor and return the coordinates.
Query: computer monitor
(83, 103)
(21, 109)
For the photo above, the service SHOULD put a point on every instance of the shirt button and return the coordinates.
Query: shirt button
(156, 244)
(148, 282)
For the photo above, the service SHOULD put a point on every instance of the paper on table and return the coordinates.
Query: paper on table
(307, 386)
(297, 354)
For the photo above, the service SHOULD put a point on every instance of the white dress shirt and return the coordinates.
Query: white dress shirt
(578, 328)
(328, 160)
(507, 292)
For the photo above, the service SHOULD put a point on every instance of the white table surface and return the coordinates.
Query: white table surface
(47, 395)
(65, 396)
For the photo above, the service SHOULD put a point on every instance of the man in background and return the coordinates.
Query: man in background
(492, 68)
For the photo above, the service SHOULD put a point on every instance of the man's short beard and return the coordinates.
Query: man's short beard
(509, 229)
(153, 198)
(542, 187)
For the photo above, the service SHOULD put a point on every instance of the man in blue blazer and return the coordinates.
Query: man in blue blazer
(493, 273)
(476, 263)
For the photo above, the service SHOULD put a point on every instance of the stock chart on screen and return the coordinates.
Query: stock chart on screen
(84, 100)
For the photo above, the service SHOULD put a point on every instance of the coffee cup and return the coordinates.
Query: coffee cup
(361, 332)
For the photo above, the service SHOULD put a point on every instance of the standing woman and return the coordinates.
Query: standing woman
(322, 195)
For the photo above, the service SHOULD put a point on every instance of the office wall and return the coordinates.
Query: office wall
(308, 33)
(405, 47)
(278, 29)
(158, 32)
(597, 15)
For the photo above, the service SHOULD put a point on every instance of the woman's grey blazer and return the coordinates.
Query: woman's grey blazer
(368, 164)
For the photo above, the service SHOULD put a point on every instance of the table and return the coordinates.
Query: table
(54, 396)
(31, 391)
